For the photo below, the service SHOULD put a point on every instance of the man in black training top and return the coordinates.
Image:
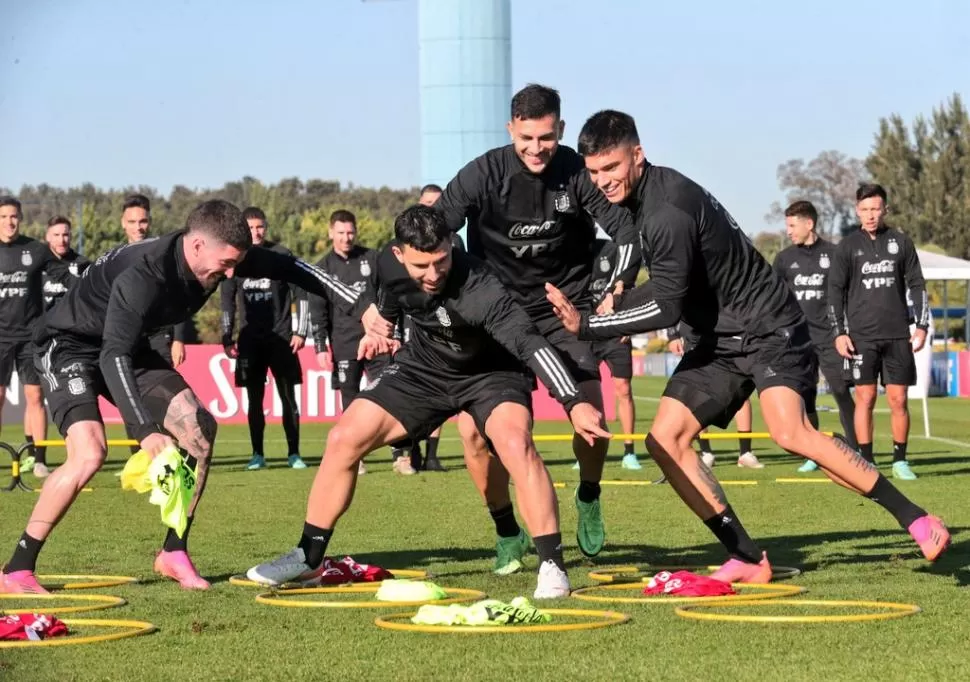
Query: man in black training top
(470, 341)
(702, 264)
(267, 341)
(336, 334)
(871, 272)
(94, 342)
(58, 238)
(23, 262)
(532, 215)
(805, 266)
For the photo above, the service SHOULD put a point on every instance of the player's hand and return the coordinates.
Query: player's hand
(624, 339)
(296, 343)
(843, 344)
(178, 353)
(918, 340)
(608, 305)
(564, 309)
(155, 443)
(587, 422)
(375, 324)
(372, 345)
(676, 346)
(231, 350)
(325, 360)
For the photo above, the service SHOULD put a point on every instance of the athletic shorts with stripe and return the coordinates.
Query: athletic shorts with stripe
(73, 382)
(578, 357)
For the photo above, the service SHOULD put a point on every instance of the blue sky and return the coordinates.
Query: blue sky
(200, 93)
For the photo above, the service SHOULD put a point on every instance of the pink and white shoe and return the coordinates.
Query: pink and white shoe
(737, 571)
(179, 567)
(20, 582)
(931, 535)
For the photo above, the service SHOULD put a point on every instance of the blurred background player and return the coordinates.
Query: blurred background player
(58, 238)
(269, 340)
(805, 266)
(337, 335)
(871, 272)
(23, 262)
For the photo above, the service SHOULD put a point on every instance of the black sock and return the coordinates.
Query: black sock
(40, 454)
(431, 449)
(888, 496)
(549, 548)
(705, 445)
(396, 452)
(729, 531)
(25, 555)
(628, 448)
(31, 448)
(847, 416)
(589, 491)
(174, 543)
(314, 544)
(899, 452)
(744, 443)
(505, 524)
(865, 449)
(291, 418)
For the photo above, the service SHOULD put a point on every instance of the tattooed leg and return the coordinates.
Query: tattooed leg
(195, 430)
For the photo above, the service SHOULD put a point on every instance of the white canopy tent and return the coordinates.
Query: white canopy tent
(938, 267)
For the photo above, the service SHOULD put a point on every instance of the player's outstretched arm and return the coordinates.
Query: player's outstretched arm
(462, 196)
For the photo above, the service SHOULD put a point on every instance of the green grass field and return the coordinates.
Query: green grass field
(847, 548)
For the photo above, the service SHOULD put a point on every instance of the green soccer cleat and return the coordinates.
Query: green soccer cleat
(902, 471)
(296, 462)
(257, 462)
(808, 467)
(630, 462)
(590, 533)
(509, 553)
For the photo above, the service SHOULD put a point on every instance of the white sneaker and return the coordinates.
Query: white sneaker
(361, 469)
(553, 583)
(749, 461)
(402, 465)
(708, 459)
(291, 567)
(41, 470)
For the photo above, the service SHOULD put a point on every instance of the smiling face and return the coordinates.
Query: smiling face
(135, 221)
(536, 140)
(9, 222)
(616, 171)
(428, 268)
(209, 259)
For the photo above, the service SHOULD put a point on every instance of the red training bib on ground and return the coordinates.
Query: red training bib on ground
(30, 626)
(686, 584)
(346, 570)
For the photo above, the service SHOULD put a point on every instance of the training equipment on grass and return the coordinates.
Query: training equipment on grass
(274, 598)
(638, 574)
(243, 581)
(53, 581)
(726, 435)
(133, 628)
(170, 481)
(890, 611)
(96, 602)
(803, 480)
(604, 619)
(768, 591)
(485, 613)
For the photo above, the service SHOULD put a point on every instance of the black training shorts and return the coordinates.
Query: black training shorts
(258, 356)
(617, 356)
(891, 360)
(18, 355)
(716, 376)
(347, 375)
(577, 356)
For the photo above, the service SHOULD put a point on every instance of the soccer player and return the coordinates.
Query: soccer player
(58, 238)
(337, 335)
(94, 343)
(616, 353)
(469, 343)
(703, 264)
(532, 215)
(23, 263)
(267, 341)
(871, 271)
(805, 266)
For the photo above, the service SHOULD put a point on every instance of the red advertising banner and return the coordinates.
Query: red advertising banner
(209, 372)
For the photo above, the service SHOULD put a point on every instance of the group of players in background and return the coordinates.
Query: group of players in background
(441, 332)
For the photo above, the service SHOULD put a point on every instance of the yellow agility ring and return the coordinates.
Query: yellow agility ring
(273, 598)
(890, 611)
(99, 602)
(410, 574)
(631, 573)
(83, 582)
(606, 619)
(768, 591)
(133, 628)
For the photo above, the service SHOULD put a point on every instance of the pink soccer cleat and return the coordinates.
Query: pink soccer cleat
(737, 571)
(179, 567)
(20, 582)
(931, 535)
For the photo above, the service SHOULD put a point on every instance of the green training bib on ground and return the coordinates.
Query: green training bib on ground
(482, 613)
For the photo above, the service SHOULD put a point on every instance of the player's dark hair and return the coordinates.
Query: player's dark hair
(422, 228)
(222, 221)
(254, 213)
(868, 190)
(343, 216)
(10, 201)
(431, 188)
(802, 209)
(606, 130)
(58, 220)
(535, 101)
(137, 201)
